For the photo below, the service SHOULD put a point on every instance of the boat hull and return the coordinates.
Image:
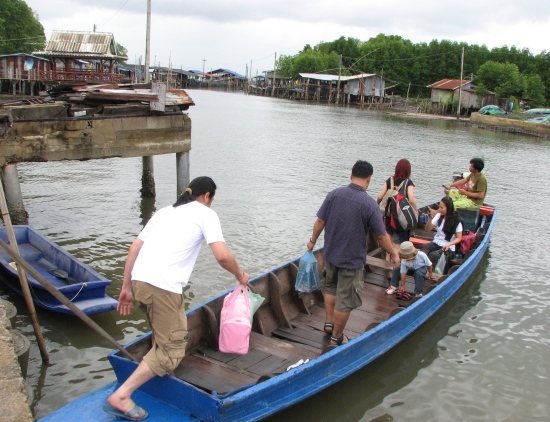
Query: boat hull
(267, 396)
(79, 282)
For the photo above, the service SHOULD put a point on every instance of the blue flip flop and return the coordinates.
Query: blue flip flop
(129, 415)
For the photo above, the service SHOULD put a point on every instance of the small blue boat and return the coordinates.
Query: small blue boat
(83, 286)
(289, 358)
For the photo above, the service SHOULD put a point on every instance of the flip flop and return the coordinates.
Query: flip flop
(129, 415)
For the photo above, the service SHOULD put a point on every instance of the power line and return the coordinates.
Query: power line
(113, 15)
(21, 39)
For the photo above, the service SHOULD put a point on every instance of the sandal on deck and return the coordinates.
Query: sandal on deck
(406, 296)
(329, 326)
(339, 341)
(399, 294)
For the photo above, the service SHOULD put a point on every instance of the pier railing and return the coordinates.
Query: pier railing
(59, 76)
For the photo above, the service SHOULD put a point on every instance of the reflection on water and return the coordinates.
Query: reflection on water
(274, 161)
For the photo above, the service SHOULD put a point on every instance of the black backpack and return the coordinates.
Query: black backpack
(402, 214)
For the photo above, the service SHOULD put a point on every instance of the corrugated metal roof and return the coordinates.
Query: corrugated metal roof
(321, 77)
(23, 55)
(81, 44)
(448, 84)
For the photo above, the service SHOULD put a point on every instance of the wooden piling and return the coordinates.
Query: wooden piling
(148, 177)
(14, 197)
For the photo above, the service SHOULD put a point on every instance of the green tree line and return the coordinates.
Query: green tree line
(412, 66)
(20, 28)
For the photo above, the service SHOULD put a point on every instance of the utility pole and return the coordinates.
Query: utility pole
(338, 86)
(95, 27)
(203, 61)
(147, 41)
(274, 67)
(148, 172)
(460, 85)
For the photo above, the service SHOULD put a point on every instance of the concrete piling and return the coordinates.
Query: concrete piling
(148, 178)
(183, 172)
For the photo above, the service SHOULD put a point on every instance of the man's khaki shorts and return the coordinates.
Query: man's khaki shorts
(165, 313)
(344, 283)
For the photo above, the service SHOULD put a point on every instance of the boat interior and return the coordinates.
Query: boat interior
(288, 327)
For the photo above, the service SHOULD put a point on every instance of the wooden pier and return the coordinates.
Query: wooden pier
(37, 133)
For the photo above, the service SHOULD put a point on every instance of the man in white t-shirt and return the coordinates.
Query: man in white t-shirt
(159, 264)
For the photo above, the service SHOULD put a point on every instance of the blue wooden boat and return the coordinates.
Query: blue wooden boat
(76, 280)
(213, 386)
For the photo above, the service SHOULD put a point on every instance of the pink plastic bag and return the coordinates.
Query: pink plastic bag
(235, 324)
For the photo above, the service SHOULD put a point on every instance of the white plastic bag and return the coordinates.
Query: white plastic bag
(441, 263)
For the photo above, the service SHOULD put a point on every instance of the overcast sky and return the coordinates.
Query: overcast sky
(231, 34)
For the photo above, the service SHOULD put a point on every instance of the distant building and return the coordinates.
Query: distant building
(98, 49)
(446, 91)
(365, 87)
(20, 72)
(279, 81)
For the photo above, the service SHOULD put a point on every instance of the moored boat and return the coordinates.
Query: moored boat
(83, 286)
(289, 357)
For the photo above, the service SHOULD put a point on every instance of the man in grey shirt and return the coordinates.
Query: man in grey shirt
(347, 215)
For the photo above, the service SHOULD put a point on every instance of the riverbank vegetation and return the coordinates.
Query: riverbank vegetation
(412, 66)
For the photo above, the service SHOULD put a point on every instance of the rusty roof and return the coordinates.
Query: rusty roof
(81, 44)
(448, 84)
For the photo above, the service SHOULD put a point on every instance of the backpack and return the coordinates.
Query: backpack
(468, 239)
(392, 191)
(402, 214)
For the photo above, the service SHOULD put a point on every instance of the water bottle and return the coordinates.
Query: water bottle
(423, 218)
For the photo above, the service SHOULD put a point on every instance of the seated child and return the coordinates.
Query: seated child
(414, 260)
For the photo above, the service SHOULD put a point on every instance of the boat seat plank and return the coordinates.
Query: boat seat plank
(216, 354)
(282, 348)
(211, 376)
(423, 234)
(29, 253)
(356, 323)
(379, 263)
(312, 334)
(290, 335)
(377, 277)
(269, 366)
(252, 358)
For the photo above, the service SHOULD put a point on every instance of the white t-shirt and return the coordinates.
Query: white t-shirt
(439, 238)
(172, 240)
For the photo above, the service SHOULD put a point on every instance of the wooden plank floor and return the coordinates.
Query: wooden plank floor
(211, 370)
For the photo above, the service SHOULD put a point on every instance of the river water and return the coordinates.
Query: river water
(483, 357)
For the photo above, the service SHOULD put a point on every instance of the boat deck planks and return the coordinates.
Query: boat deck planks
(210, 369)
(212, 376)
